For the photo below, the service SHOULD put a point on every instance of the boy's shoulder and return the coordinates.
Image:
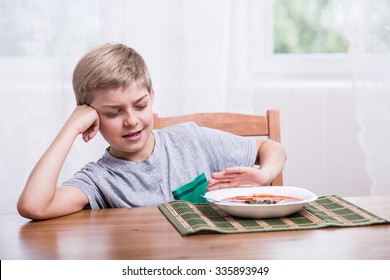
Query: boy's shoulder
(192, 129)
(190, 132)
(182, 131)
(180, 127)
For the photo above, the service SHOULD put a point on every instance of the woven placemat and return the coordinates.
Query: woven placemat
(189, 218)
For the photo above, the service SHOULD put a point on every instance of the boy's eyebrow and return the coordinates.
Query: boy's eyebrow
(137, 101)
(140, 99)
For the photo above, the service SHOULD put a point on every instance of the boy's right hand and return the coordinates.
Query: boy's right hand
(85, 120)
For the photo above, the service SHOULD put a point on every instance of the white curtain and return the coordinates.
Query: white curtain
(367, 26)
(197, 52)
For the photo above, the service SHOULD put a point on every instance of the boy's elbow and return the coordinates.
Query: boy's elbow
(284, 153)
(29, 210)
(281, 150)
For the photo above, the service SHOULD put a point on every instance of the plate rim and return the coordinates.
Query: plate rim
(312, 197)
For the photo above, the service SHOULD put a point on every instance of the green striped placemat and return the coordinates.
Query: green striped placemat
(189, 218)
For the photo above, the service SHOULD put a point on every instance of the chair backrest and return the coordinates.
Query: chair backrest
(239, 124)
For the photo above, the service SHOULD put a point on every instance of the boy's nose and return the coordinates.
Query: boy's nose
(130, 120)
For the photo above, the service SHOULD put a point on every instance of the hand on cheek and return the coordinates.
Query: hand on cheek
(85, 121)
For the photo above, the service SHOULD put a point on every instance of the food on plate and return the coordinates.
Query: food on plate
(262, 199)
(286, 200)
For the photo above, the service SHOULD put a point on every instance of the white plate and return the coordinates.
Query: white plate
(261, 210)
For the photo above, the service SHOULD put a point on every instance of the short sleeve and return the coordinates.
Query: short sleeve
(229, 150)
(87, 181)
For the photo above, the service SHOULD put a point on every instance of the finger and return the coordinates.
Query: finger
(212, 182)
(85, 136)
(94, 128)
(92, 134)
(217, 186)
(222, 185)
(236, 169)
(219, 181)
(88, 135)
(216, 174)
(222, 175)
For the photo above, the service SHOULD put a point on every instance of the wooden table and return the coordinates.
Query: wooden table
(145, 233)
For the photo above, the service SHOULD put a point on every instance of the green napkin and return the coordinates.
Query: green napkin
(193, 191)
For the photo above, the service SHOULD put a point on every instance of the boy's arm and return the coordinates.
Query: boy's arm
(41, 199)
(271, 157)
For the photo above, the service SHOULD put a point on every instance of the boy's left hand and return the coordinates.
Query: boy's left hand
(234, 177)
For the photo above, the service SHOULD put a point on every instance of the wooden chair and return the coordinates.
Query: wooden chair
(239, 124)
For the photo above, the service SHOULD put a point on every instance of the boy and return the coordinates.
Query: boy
(141, 166)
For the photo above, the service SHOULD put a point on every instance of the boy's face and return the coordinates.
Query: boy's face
(126, 121)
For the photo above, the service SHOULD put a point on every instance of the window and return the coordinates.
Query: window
(308, 26)
(299, 39)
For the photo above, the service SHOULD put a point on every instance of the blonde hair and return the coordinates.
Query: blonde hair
(106, 67)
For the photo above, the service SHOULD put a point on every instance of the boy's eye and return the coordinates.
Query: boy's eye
(112, 114)
(141, 106)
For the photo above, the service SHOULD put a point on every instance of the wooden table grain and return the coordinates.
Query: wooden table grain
(145, 233)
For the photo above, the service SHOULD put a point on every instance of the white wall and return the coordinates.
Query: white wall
(320, 132)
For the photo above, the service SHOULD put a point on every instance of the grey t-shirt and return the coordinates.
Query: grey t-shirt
(181, 153)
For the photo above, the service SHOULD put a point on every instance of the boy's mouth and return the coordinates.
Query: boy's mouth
(132, 135)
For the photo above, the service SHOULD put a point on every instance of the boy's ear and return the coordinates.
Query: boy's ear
(151, 94)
